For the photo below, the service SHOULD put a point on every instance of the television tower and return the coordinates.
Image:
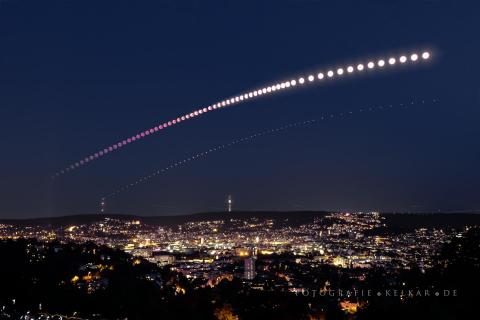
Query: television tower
(229, 203)
(102, 205)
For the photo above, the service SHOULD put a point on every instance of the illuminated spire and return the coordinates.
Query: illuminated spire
(102, 205)
(229, 203)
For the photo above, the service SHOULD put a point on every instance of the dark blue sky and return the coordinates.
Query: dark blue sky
(78, 75)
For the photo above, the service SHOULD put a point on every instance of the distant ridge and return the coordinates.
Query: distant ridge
(162, 220)
(408, 221)
(393, 221)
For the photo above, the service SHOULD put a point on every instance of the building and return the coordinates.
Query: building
(142, 252)
(163, 259)
(249, 268)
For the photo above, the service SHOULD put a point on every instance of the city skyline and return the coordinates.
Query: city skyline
(333, 265)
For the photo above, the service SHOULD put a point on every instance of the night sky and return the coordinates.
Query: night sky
(76, 76)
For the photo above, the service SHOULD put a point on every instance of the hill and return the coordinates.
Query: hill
(400, 222)
(293, 216)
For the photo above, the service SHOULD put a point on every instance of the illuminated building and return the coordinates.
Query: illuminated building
(249, 268)
(163, 259)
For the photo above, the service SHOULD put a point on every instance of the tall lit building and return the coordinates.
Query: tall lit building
(249, 268)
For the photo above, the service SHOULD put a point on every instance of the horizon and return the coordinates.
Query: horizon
(108, 214)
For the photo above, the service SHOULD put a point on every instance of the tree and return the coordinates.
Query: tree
(225, 312)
